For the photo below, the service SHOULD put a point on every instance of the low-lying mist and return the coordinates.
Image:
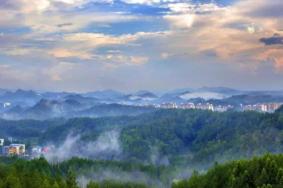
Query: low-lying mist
(120, 176)
(107, 146)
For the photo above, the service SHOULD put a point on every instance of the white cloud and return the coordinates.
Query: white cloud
(98, 39)
(117, 60)
(150, 2)
(141, 1)
(46, 16)
(181, 20)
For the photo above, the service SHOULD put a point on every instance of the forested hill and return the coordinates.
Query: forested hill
(203, 136)
(173, 139)
(38, 173)
(264, 172)
(193, 136)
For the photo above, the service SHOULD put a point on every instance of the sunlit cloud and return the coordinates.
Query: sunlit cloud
(64, 53)
(230, 32)
(105, 36)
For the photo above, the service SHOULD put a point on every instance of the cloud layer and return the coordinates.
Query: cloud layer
(89, 44)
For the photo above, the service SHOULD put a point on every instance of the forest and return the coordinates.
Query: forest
(38, 173)
(193, 135)
(151, 150)
(258, 172)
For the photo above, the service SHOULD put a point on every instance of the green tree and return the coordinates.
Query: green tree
(12, 182)
(71, 180)
(92, 184)
(263, 178)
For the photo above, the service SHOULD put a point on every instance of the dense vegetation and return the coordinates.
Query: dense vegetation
(26, 129)
(201, 136)
(264, 172)
(157, 145)
(258, 172)
(38, 173)
(35, 173)
(191, 136)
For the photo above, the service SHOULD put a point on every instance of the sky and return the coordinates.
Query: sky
(129, 45)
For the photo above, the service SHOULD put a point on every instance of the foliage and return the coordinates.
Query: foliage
(38, 173)
(207, 136)
(194, 135)
(263, 172)
(114, 184)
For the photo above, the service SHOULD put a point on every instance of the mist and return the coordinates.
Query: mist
(120, 176)
(106, 146)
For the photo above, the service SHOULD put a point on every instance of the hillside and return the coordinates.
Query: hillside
(258, 172)
(263, 172)
(38, 173)
(166, 136)
(157, 147)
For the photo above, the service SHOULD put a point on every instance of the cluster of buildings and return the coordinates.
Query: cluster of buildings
(21, 150)
(260, 107)
(12, 149)
(38, 151)
(199, 106)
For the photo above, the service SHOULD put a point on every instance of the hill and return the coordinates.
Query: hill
(263, 172)
(165, 136)
(38, 173)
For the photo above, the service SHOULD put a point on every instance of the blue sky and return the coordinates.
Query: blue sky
(128, 45)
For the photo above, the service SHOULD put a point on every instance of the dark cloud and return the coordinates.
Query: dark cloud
(274, 40)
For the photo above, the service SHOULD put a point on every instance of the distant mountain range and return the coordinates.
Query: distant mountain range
(28, 104)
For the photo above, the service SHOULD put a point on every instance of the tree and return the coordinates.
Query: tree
(55, 185)
(12, 182)
(92, 184)
(263, 178)
(71, 180)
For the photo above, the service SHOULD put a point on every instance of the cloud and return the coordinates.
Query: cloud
(106, 146)
(59, 71)
(273, 55)
(12, 75)
(56, 21)
(274, 40)
(26, 6)
(141, 1)
(183, 15)
(87, 46)
(46, 16)
(189, 7)
(265, 9)
(181, 21)
(39, 6)
(232, 33)
(116, 60)
(56, 38)
(65, 53)
(98, 39)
